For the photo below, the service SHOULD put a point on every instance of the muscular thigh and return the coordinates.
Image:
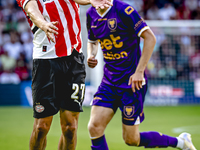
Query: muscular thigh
(43, 123)
(69, 118)
(101, 116)
(131, 134)
(99, 119)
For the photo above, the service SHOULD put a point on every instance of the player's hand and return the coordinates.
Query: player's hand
(136, 81)
(100, 3)
(92, 62)
(50, 29)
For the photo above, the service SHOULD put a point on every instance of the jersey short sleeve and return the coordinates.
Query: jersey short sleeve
(91, 36)
(22, 3)
(131, 17)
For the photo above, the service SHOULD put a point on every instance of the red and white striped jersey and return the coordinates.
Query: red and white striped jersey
(66, 12)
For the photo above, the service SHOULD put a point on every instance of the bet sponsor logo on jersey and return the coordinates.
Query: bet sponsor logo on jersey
(108, 44)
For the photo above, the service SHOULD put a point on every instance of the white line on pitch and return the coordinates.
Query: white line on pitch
(191, 129)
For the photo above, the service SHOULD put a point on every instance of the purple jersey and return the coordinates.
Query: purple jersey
(118, 31)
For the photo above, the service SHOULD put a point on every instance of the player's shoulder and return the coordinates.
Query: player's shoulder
(121, 6)
(90, 10)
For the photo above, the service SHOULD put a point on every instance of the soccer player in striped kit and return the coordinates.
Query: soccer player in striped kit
(118, 30)
(58, 75)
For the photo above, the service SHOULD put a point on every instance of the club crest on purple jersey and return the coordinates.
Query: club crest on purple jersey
(112, 23)
(129, 111)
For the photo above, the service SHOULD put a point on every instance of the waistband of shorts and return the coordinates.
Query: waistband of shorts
(74, 53)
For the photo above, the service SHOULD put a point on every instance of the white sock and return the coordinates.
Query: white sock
(180, 143)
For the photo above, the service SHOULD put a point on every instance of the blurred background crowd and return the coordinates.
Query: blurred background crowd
(167, 9)
(15, 44)
(175, 57)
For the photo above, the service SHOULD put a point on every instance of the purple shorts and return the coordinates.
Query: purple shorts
(130, 104)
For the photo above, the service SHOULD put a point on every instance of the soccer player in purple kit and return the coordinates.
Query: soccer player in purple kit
(118, 30)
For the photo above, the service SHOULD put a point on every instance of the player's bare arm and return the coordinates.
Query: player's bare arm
(92, 49)
(149, 42)
(36, 17)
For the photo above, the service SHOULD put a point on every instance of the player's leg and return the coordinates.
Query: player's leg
(69, 126)
(153, 139)
(99, 119)
(133, 137)
(131, 134)
(104, 107)
(70, 83)
(70, 91)
(132, 116)
(44, 102)
(40, 129)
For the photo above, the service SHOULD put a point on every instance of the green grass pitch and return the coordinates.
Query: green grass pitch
(16, 126)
